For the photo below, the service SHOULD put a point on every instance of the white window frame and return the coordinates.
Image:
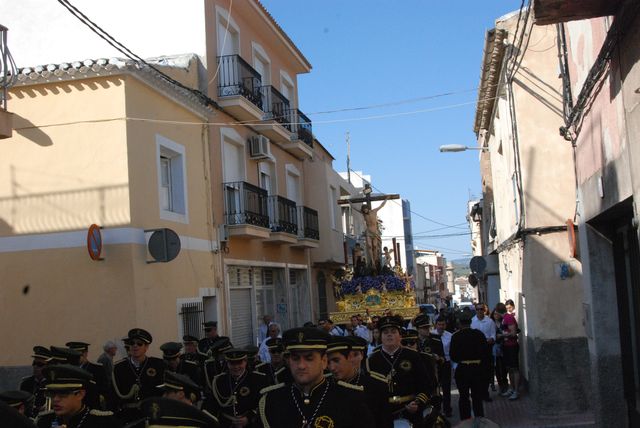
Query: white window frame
(285, 79)
(291, 169)
(179, 193)
(269, 167)
(232, 136)
(223, 15)
(259, 54)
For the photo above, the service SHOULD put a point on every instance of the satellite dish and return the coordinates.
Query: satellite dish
(478, 264)
(164, 245)
(473, 280)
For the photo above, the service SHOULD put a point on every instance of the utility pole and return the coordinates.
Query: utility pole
(348, 158)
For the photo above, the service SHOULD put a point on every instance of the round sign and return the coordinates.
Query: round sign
(94, 242)
(478, 264)
(473, 280)
(164, 245)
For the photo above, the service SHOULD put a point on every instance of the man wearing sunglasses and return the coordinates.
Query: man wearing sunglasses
(34, 384)
(136, 377)
(66, 387)
(276, 370)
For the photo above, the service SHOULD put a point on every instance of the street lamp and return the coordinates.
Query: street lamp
(460, 148)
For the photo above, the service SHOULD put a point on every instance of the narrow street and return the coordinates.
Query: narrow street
(519, 414)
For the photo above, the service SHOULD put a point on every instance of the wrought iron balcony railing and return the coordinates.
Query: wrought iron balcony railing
(308, 223)
(237, 77)
(8, 67)
(277, 107)
(245, 203)
(283, 215)
(302, 126)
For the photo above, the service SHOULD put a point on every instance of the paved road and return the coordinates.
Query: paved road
(520, 414)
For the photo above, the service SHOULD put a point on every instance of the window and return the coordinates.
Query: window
(172, 180)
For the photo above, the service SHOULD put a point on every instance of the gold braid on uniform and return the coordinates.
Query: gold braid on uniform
(230, 401)
(132, 392)
(378, 376)
(261, 408)
(422, 398)
(96, 412)
(351, 386)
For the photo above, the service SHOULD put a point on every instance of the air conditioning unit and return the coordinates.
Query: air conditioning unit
(260, 147)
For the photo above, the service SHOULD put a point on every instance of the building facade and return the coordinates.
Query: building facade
(598, 59)
(530, 200)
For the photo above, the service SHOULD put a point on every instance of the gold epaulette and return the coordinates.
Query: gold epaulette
(351, 386)
(378, 376)
(271, 388)
(260, 365)
(422, 397)
(259, 373)
(97, 412)
(190, 362)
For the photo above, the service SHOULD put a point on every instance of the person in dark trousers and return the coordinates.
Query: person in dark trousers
(469, 352)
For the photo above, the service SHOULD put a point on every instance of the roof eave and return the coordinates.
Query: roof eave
(489, 77)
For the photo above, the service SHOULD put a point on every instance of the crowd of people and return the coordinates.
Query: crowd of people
(371, 372)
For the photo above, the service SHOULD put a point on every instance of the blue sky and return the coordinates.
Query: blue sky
(367, 53)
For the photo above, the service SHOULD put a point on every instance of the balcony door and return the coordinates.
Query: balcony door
(233, 172)
(293, 186)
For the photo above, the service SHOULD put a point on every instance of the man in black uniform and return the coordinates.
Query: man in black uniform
(66, 385)
(215, 364)
(34, 384)
(191, 350)
(163, 412)
(180, 387)
(236, 392)
(312, 400)
(469, 351)
(99, 390)
(344, 364)
(210, 340)
(276, 371)
(404, 370)
(19, 400)
(136, 377)
(410, 341)
(171, 356)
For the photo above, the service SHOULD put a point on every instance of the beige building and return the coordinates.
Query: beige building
(236, 173)
(98, 143)
(531, 195)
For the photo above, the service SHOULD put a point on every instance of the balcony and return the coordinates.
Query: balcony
(308, 230)
(283, 214)
(239, 88)
(245, 210)
(301, 142)
(276, 123)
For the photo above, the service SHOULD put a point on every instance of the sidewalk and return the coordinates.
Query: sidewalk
(520, 414)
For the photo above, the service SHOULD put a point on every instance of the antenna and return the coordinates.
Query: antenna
(348, 157)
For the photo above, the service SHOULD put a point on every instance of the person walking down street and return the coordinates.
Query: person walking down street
(34, 384)
(405, 371)
(483, 323)
(311, 400)
(511, 349)
(236, 392)
(276, 370)
(469, 353)
(106, 359)
(136, 377)
(344, 364)
(498, 363)
(263, 352)
(66, 386)
(263, 330)
(440, 340)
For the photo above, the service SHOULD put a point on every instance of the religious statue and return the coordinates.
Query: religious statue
(372, 232)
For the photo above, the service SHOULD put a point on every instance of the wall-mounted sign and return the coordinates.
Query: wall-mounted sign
(94, 242)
